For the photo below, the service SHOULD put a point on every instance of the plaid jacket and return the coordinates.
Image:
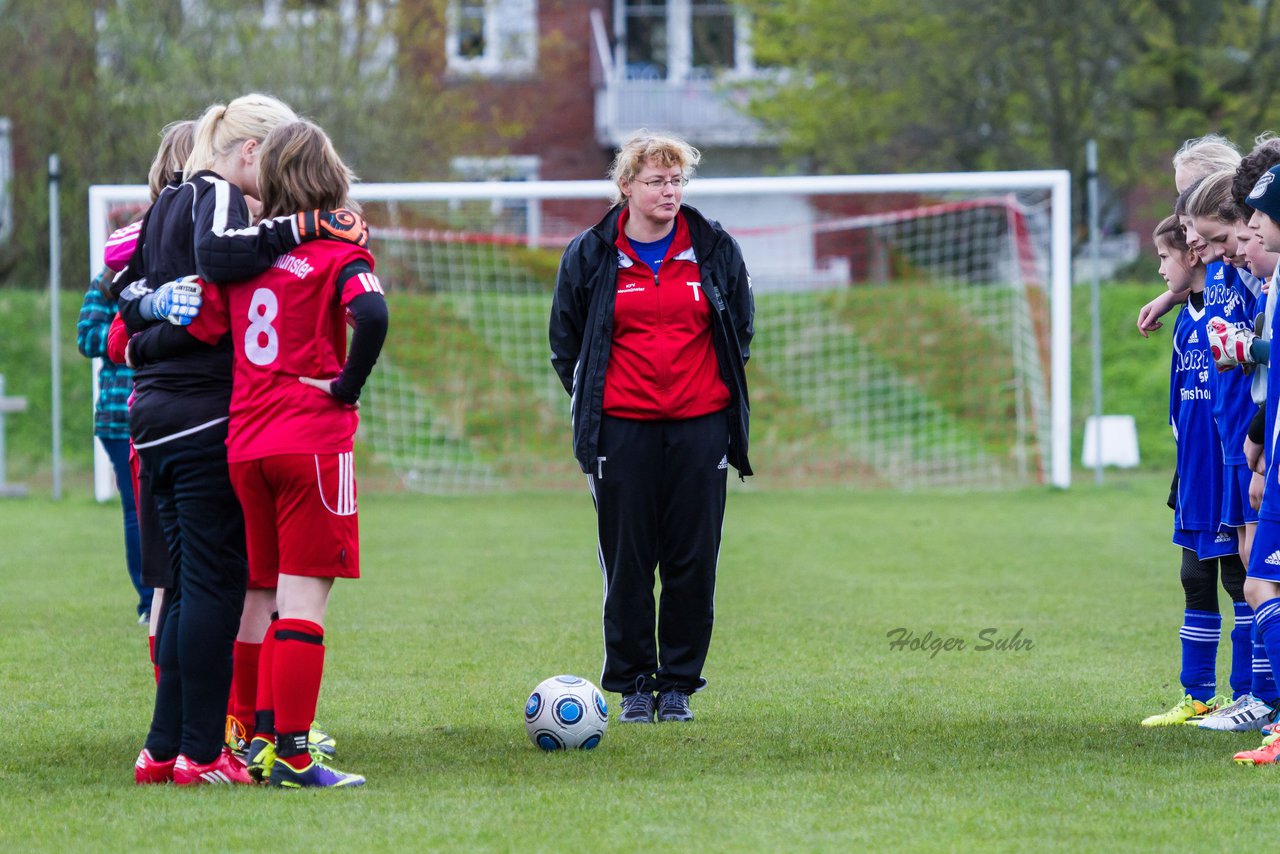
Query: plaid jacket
(115, 382)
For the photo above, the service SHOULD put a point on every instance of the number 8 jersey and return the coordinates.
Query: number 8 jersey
(286, 323)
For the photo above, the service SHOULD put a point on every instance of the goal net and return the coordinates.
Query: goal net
(911, 331)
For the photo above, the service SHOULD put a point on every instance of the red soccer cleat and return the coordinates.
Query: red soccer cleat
(147, 770)
(1264, 755)
(226, 769)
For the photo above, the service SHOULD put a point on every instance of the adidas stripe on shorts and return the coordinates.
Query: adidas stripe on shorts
(1264, 559)
(1207, 544)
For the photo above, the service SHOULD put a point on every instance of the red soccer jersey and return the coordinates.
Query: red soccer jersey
(662, 364)
(286, 323)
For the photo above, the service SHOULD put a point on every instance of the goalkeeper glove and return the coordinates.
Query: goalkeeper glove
(177, 302)
(1229, 344)
(339, 224)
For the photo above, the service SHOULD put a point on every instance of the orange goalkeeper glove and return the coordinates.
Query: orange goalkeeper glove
(339, 224)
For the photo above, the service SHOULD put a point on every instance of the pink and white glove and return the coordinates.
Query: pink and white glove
(1229, 344)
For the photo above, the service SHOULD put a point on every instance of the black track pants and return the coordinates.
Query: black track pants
(659, 490)
(204, 527)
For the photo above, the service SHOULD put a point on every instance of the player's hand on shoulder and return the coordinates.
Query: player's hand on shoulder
(337, 224)
(178, 301)
(1149, 316)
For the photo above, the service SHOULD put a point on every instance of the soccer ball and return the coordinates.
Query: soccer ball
(565, 712)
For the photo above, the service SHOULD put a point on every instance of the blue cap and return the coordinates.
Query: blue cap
(1265, 195)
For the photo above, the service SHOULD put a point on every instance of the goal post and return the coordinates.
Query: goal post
(912, 331)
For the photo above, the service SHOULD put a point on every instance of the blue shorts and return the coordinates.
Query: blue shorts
(1236, 509)
(1264, 557)
(1210, 544)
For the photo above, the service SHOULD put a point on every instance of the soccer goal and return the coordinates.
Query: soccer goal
(911, 331)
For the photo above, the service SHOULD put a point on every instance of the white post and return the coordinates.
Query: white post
(6, 180)
(104, 478)
(55, 344)
(1095, 300)
(1060, 325)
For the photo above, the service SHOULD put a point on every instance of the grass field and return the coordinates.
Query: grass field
(814, 734)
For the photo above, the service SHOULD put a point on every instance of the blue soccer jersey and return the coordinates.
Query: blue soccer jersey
(1230, 295)
(1191, 417)
(1270, 509)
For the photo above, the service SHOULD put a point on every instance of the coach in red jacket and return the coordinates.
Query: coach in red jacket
(650, 328)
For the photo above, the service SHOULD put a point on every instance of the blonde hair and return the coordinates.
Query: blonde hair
(664, 150)
(1211, 199)
(298, 170)
(175, 147)
(222, 127)
(1207, 154)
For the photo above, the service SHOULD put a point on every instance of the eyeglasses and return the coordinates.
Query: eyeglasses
(659, 183)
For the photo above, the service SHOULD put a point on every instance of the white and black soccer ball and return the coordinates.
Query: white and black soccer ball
(566, 713)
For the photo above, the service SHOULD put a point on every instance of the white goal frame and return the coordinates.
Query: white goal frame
(1056, 182)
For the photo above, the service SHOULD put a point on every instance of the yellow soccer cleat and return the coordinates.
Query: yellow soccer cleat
(260, 758)
(320, 744)
(1189, 710)
(236, 736)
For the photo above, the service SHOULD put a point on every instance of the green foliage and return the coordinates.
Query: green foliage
(813, 734)
(97, 88)
(1135, 370)
(25, 365)
(942, 85)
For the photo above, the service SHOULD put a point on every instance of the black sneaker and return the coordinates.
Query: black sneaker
(637, 708)
(674, 706)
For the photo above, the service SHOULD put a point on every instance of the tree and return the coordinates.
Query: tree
(937, 85)
(97, 85)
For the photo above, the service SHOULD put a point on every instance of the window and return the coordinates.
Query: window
(492, 37)
(678, 40)
(646, 39)
(712, 28)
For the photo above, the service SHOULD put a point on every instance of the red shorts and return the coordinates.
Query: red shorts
(299, 516)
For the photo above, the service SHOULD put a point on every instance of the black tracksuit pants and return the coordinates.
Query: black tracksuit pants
(659, 490)
(204, 527)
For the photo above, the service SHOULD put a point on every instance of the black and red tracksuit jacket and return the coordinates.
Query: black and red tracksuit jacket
(581, 328)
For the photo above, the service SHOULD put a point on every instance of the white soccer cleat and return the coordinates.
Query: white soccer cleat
(1244, 715)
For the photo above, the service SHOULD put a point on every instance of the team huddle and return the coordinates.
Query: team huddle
(231, 300)
(242, 422)
(1218, 254)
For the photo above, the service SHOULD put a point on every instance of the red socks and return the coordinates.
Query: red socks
(244, 683)
(296, 668)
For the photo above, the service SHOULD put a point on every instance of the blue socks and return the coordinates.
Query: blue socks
(1200, 633)
(1267, 622)
(1244, 679)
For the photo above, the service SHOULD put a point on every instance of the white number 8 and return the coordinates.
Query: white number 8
(263, 309)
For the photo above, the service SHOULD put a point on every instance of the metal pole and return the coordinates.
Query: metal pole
(1091, 176)
(55, 345)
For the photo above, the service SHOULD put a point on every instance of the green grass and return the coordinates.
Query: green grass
(813, 734)
(1135, 370)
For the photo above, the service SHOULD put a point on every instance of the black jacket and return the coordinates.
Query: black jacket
(581, 328)
(201, 226)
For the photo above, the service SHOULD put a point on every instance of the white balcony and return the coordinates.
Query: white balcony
(703, 107)
(704, 112)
